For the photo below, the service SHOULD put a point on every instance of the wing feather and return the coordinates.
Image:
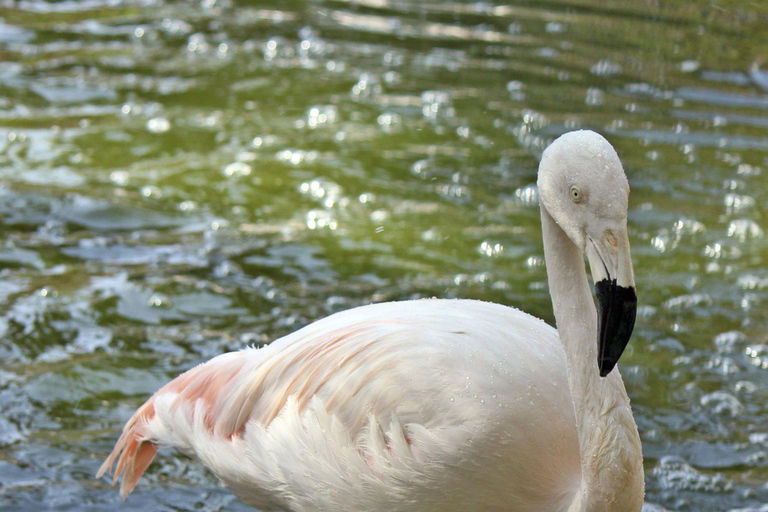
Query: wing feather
(234, 389)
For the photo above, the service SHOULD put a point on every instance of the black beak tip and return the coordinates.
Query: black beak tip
(606, 368)
(616, 312)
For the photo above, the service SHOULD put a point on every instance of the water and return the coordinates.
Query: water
(178, 179)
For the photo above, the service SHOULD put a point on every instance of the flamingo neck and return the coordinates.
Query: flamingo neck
(611, 457)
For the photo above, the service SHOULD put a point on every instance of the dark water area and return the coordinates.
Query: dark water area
(180, 179)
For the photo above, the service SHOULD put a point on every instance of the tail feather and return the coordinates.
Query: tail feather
(136, 448)
(133, 451)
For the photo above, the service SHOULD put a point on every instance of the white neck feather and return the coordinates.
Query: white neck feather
(611, 455)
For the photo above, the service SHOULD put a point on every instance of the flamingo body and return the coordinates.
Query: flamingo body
(404, 406)
(435, 405)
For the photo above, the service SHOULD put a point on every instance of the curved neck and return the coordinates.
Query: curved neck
(611, 456)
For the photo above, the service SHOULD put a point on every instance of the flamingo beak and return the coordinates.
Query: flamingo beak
(611, 265)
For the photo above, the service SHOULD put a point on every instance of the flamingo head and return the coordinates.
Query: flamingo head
(583, 187)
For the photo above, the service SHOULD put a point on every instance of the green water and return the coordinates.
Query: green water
(179, 179)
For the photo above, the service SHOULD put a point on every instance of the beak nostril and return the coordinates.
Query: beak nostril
(609, 237)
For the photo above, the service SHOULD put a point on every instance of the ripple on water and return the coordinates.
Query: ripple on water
(674, 473)
(722, 403)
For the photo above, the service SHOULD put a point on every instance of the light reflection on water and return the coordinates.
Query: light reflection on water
(181, 179)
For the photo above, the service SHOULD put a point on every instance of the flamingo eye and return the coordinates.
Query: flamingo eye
(576, 194)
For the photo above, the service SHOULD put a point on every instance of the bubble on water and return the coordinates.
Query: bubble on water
(421, 167)
(393, 58)
(595, 97)
(437, 105)
(187, 206)
(490, 248)
(723, 365)
(278, 49)
(335, 66)
(516, 90)
(553, 27)
(159, 300)
(546, 52)
(719, 250)
(430, 235)
(735, 203)
(321, 219)
(392, 78)
(534, 261)
(758, 355)
(175, 27)
(324, 190)
(605, 67)
(461, 279)
(151, 191)
(158, 125)
(296, 156)
(514, 28)
(47, 292)
(263, 141)
(311, 44)
(322, 115)
(389, 122)
(752, 282)
(527, 195)
(722, 403)
(454, 192)
(742, 229)
(367, 197)
(197, 43)
(223, 49)
(749, 301)
(688, 226)
(119, 178)
(237, 169)
(367, 85)
(379, 216)
(748, 170)
(659, 243)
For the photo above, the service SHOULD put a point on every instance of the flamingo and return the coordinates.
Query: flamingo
(434, 405)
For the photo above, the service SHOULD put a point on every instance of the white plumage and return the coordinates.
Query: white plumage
(429, 405)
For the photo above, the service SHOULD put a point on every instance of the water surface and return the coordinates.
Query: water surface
(179, 179)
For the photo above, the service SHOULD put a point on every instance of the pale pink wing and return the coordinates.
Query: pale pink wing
(353, 365)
